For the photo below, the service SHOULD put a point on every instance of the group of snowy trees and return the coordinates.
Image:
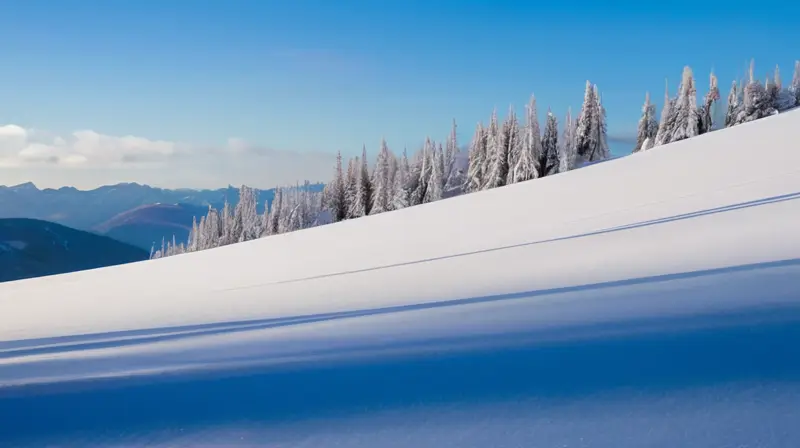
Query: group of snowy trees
(292, 209)
(501, 153)
(682, 117)
(394, 182)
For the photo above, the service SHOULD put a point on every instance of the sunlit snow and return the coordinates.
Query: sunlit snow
(649, 301)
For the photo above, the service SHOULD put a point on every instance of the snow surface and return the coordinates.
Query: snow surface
(653, 300)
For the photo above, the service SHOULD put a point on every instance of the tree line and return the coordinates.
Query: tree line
(500, 153)
(682, 118)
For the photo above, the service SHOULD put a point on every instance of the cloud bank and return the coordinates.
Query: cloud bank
(87, 159)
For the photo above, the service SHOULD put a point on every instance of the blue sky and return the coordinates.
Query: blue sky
(318, 76)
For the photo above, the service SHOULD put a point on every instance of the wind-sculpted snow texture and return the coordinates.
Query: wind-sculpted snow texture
(652, 300)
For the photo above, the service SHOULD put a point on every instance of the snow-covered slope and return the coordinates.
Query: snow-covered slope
(616, 305)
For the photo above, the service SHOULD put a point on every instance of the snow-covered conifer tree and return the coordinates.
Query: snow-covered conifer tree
(510, 141)
(685, 109)
(380, 182)
(590, 134)
(707, 110)
(566, 147)
(275, 212)
(364, 193)
(422, 194)
(477, 160)
(648, 125)
(757, 103)
(784, 98)
(436, 183)
(667, 122)
(451, 151)
(549, 159)
(525, 162)
(497, 166)
(734, 106)
(795, 87)
(401, 193)
(336, 200)
(351, 188)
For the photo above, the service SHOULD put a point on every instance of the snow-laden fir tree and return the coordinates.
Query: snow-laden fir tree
(394, 166)
(510, 141)
(477, 161)
(706, 111)
(436, 183)
(795, 86)
(497, 166)
(401, 191)
(381, 181)
(756, 104)
(524, 162)
(667, 122)
(549, 159)
(734, 106)
(275, 212)
(363, 202)
(534, 134)
(784, 98)
(451, 151)
(246, 225)
(336, 200)
(685, 109)
(421, 174)
(351, 188)
(590, 133)
(648, 125)
(773, 88)
(566, 146)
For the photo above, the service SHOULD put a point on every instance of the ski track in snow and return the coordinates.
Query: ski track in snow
(660, 315)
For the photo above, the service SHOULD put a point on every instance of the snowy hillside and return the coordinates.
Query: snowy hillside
(645, 301)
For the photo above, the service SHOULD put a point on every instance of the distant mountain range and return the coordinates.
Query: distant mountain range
(34, 248)
(143, 226)
(129, 211)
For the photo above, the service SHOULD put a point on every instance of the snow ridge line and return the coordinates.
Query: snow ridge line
(689, 215)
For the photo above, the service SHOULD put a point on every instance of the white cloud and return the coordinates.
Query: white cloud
(21, 147)
(86, 159)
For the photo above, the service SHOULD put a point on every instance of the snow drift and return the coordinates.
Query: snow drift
(648, 301)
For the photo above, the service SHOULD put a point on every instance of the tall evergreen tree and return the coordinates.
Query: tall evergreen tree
(795, 86)
(590, 134)
(709, 101)
(566, 147)
(734, 106)
(380, 183)
(363, 202)
(423, 172)
(667, 122)
(401, 191)
(648, 125)
(757, 103)
(351, 188)
(685, 110)
(275, 212)
(436, 189)
(524, 164)
(549, 159)
(477, 161)
(497, 166)
(451, 151)
(337, 202)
